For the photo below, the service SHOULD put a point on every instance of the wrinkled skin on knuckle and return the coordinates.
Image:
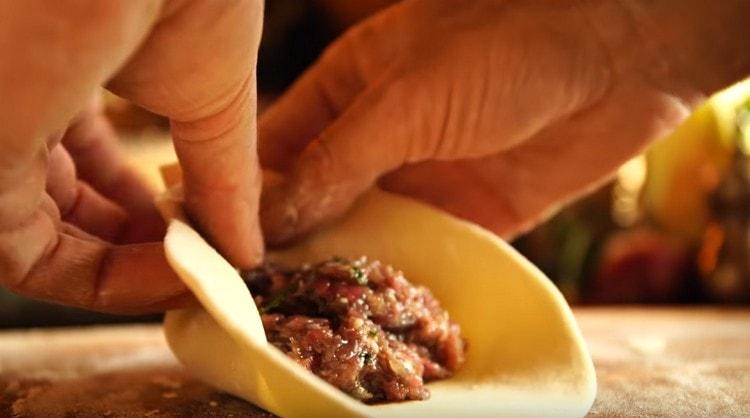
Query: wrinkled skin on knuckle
(491, 84)
(556, 71)
(23, 246)
(356, 52)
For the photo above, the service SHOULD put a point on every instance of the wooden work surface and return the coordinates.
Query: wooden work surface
(650, 362)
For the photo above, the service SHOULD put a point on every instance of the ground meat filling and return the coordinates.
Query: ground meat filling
(360, 325)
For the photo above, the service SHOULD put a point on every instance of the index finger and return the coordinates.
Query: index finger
(221, 177)
(327, 89)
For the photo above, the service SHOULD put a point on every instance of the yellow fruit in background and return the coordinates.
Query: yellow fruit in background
(686, 166)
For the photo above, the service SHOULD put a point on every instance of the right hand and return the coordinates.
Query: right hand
(498, 112)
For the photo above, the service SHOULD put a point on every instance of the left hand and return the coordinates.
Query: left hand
(74, 220)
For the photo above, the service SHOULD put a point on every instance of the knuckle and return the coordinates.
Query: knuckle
(218, 118)
(24, 249)
(358, 53)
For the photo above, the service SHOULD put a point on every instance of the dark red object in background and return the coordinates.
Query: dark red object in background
(640, 266)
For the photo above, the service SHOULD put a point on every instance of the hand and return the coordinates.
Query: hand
(74, 220)
(498, 112)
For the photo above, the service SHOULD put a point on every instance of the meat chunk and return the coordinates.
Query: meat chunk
(359, 325)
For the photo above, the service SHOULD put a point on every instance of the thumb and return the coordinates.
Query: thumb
(221, 176)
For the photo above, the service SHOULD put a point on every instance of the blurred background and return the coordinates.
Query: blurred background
(672, 227)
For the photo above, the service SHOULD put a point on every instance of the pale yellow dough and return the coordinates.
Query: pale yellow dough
(526, 356)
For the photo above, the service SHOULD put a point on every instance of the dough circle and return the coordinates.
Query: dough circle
(526, 356)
